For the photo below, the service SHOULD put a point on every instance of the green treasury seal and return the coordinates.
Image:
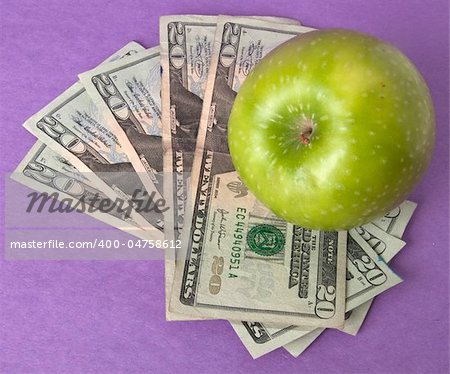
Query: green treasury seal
(265, 240)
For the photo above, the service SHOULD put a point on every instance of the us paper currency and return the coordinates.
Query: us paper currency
(243, 278)
(384, 244)
(127, 93)
(388, 248)
(354, 318)
(277, 272)
(72, 126)
(276, 337)
(367, 274)
(269, 276)
(46, 171)
(186, 46)
(396, 220)
(260, 339)
(298, 346)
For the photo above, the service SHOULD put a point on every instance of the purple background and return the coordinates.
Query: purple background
(75, 316)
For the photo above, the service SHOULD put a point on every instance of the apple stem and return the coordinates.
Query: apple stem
(306, 129)
(305, 137)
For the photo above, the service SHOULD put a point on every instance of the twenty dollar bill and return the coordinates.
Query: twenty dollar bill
(238, 266)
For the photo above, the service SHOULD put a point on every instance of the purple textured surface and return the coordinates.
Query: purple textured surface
(99, 317)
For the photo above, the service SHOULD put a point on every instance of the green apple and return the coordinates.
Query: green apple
(332, 129)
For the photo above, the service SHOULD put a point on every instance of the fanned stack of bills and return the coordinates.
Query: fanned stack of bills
(151, 124)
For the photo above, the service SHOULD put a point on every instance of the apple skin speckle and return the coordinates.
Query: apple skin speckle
(373, 134)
